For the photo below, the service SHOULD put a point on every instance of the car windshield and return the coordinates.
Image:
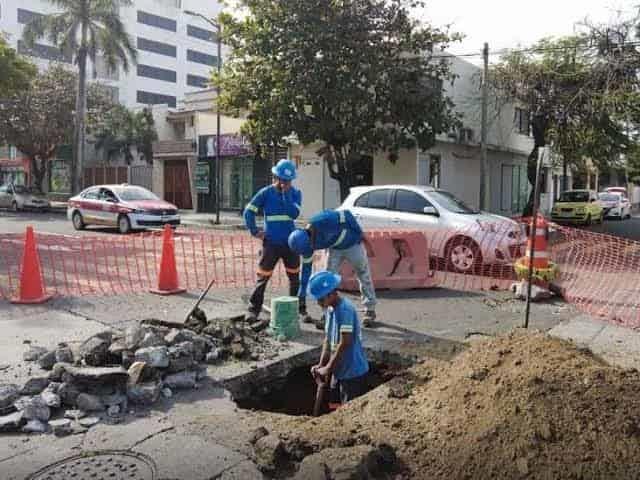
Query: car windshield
(132, 194)
(574, 197)
(609, 197)
(21, 189)
(449, 202)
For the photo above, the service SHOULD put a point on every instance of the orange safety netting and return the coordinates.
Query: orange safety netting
(599, 274)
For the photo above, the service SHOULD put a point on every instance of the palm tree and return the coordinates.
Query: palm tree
(84, 29)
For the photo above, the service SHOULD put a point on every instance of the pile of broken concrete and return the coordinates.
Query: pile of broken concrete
(113, 372)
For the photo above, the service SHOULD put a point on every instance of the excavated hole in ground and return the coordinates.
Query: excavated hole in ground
(295, 393)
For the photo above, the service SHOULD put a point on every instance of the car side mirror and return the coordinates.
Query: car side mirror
(431, 211)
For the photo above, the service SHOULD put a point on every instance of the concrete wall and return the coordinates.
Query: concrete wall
(466, 95)
(207, 124)
(403, 171)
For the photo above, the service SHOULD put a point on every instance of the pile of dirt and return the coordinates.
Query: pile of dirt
(517, 406)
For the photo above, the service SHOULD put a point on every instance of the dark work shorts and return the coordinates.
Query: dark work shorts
(352, 387)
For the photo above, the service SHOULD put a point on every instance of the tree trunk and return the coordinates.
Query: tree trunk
(79, 129)
(37, 174)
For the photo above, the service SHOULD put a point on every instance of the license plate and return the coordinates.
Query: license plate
(567, 214)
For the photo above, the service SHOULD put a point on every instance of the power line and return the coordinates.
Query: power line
(577, 46)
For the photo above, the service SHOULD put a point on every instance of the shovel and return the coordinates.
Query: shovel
(202, 295)
(320, 394)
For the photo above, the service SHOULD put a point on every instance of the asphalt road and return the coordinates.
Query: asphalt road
(55, 222)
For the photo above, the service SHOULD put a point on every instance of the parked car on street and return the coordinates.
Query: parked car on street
(463, 237)
(127, 207)
(578, 206)
(620, 190)
(19, 197)
(615, 205)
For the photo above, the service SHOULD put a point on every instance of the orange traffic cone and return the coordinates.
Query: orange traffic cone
(168, 275)
(31, 284)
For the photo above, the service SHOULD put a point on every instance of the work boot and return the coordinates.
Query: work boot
(306, 318)
(319, 323)
(251, 317)
(368, 320)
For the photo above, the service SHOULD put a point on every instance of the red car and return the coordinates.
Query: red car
(127, 207)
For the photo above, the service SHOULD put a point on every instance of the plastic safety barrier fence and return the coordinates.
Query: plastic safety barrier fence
(107, 265)
(599, 274)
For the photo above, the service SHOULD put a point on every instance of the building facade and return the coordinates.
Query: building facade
(176, 51)
(453, 163)
(184, 164)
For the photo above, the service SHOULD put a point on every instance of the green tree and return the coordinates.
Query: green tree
(17, 72)
(85, 29)
(581, 92)
(359, 76)
(39, 118)
(120, 130)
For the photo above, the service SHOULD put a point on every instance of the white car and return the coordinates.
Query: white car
(615, 205)
(19, 197)
(127, 207)
(465, 238)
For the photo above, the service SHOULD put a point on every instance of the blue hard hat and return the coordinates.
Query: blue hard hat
(323, 283)
(285, 170)
(300, 242)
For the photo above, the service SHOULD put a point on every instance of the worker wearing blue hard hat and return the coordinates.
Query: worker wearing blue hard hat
(343, 362)
(339, 232)
(280, 203)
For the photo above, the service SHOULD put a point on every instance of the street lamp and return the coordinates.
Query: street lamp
(215, 25)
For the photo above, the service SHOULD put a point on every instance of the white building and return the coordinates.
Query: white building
(452, 164)
(176, 51)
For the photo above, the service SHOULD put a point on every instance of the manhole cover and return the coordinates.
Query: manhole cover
(105, 465)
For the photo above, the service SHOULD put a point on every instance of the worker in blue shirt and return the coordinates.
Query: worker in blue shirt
(280, 204)
(343, 362)
(339, 231)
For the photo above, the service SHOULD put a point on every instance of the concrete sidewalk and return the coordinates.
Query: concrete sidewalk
(201, 434)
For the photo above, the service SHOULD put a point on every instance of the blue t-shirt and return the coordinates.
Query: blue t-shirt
(344, 318)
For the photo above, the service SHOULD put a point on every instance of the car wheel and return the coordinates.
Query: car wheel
(601, 219)
(463, 255)
(124, 224)
(587, 222)
(78, 221)
(14, 206)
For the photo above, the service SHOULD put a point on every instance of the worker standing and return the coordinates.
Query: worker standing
(280, 204)
(339, 231)
(343, 362)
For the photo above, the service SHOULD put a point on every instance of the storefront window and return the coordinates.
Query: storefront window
(237, 182)
(60, 177)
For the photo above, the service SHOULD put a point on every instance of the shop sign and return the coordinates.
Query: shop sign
(202, 178)
(231, 145)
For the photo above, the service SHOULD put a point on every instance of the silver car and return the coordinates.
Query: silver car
(19, 197)
(464, 238)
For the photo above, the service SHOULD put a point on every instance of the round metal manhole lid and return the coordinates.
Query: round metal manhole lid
(103, 465)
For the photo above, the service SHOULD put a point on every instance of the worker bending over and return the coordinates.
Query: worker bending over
(340, 232)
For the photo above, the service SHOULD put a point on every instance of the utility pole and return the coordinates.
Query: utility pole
(218, 119)
(218, 183)
(484, 184)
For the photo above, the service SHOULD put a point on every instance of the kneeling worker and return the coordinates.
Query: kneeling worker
(340, 233)
(343, 361)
